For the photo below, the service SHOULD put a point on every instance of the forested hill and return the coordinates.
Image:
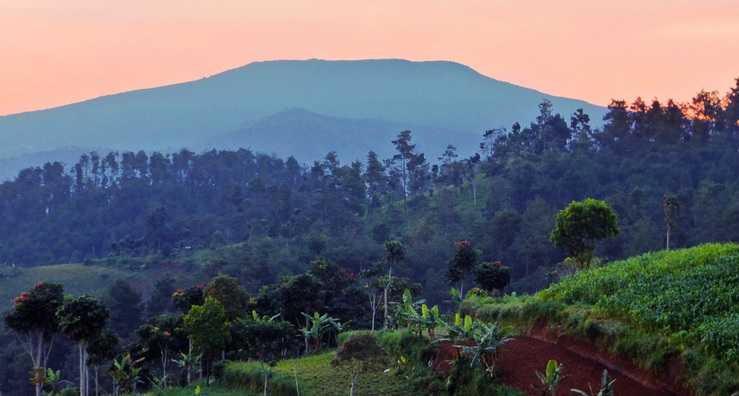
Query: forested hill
(504, 199)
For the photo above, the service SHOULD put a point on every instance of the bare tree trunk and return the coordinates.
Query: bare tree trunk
(373, 305)
(81, 349)
(389, 281)
(266, 377)
(37, 361)
(307, 343)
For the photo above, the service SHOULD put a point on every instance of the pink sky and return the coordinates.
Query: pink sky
(59, 52)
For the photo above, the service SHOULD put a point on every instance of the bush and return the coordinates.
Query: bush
(248, 376)
(404, 343)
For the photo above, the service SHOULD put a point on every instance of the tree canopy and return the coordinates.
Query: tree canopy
(579, 226)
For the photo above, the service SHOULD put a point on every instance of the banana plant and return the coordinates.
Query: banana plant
(461, 329)
(488, 340)
(189, 362)
(408, 313)
(319, 325)
(126, 374)
(551, 379)
(605, 387)
(429, 317)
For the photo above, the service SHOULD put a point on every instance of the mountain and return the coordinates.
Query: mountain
(351, 138)
(354, 97)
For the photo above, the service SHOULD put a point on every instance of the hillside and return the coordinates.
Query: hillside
(351, 138)
(670, 315)
(445, 96)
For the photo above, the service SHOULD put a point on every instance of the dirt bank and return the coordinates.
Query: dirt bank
(583, 365)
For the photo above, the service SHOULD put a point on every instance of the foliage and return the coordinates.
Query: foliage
(493, 277)
(394, 254)
(190, 362)
(408, 315)
(185, 299)
(318, 326)
(161, 339)
(263, 339)
(314, 375)
(605, 387)
(124, 303)
(551, 378)
(580, 225)
(463, 262)
(262, 219)
(82, 319)
(680, 302)
(691, 290)
(404, 343)
(34, 319)
(484, 351)
(230, 294)
(460, 329)
(359, 354)
(126, 374)
(209, 329)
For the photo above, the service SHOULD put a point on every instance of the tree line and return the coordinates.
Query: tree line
(504, 198)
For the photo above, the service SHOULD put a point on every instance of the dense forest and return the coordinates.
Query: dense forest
(667, 170)
(503, 199)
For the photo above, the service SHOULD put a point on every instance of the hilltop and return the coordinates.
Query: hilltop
(394, 94)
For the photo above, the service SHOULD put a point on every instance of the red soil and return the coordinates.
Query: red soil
(583, 365)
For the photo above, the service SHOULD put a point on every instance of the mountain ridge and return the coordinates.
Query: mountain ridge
(439, 95)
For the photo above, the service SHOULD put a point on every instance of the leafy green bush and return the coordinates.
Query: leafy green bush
(404, 343)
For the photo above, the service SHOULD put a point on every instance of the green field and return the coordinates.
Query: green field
(653, 308)
(314, 375)
(77, 279)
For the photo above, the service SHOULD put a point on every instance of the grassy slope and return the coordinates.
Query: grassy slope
(682, 303)
(97, 276)
(690, 294)
(316, 376)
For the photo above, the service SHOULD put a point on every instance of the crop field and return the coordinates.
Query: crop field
(691, 294)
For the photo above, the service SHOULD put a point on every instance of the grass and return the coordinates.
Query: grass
(650, 308)
(214, 389)
(78, 279)
(314, 376)
(95, 276)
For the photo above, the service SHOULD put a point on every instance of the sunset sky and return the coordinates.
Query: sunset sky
(59, 52)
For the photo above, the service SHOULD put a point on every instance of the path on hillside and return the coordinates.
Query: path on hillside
(520, 358)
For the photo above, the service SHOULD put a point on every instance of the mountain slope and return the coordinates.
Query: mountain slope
(442, 95)
(351, 138)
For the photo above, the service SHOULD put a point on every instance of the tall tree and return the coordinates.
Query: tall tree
(124, 303)
(617, 129)
(461, 265)
(394, 254)
(34, 319)
(582, 134)
(375, 178)
(410, 168)
(209, 328)
(82, 319)
(670, 205)
(233, 297)
(731, 114)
